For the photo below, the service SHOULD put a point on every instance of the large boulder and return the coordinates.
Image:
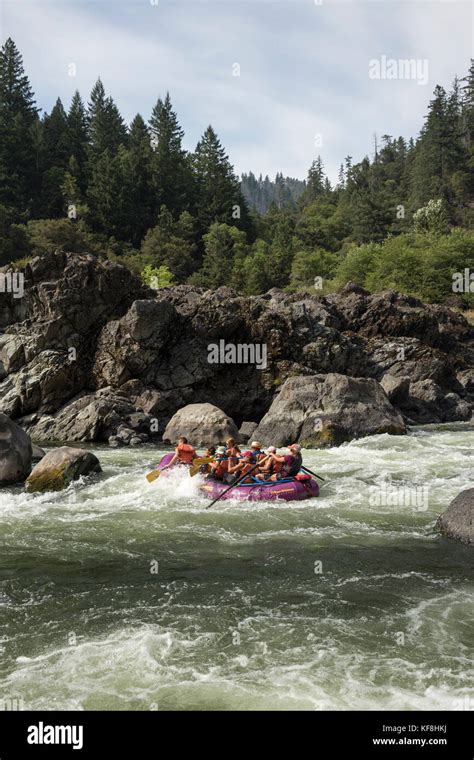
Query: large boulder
(325, 410)
(59, 467)
(457, 521)
(202, 424)
(104, 416)
(15, 452)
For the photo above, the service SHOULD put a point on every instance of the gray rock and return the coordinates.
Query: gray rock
(15, 452)
(37, 454)
(325, 410)
(202, 424)
(457, 521)
(246, 431)
(395, 387)
(59, 467)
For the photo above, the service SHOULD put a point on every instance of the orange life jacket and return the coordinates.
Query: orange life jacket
(186, 453)
(221, 468)
(244, 470)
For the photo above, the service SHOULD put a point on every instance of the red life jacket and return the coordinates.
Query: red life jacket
(186, 453)
(244, 470)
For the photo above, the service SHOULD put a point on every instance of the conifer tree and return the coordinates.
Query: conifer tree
(18, 116)
(171, 171)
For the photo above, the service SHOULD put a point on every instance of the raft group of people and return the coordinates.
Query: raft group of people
(229, 464)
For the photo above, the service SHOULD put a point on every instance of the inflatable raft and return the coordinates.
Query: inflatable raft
(288, 489)
(280, 490)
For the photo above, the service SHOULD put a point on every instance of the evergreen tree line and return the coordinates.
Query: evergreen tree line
(83, 180)
(262, 193)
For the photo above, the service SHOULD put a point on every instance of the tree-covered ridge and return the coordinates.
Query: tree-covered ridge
(262, 192)
(83, 180)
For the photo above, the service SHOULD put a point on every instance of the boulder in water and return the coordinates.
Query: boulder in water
(15, 452)
(202, 424)
(326, 410)
(59, 467)
(457, 521)
(37, 453)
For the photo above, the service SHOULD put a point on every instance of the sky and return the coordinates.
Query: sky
(281, 81)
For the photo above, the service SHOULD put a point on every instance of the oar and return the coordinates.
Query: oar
(313, 473)
(197, 464)
(239, 480)
(153, 475)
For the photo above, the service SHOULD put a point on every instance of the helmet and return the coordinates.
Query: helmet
(255, 445)
(271, 449)
(220, 450)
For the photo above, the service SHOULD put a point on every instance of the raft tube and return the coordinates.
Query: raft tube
(280, 490)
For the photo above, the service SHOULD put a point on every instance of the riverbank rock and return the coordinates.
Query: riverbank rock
(59, 467)
(202, 424)
(326, 410)
(15, 452)
(37, 453)
(457, 521)
(246, 431)
(88, 347)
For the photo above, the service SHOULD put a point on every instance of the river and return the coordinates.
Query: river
(118, 594)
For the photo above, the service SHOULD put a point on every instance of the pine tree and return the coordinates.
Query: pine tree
(18, 116)
(138, 179)
(78, 138)
(106, 127)
(171, 171)
(218, 194)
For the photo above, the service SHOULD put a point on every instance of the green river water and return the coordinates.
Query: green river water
(118, 594)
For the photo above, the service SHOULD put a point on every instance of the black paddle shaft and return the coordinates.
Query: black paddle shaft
(313, 473)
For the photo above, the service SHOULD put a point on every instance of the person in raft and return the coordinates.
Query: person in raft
(242, 467)
(184, 453)
(256, 451)
(219, 466)
(270, 467)
(290, 463)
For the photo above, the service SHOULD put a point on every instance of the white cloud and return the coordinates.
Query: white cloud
(304, 67)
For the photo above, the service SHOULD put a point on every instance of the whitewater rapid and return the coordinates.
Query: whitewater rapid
(120, 594)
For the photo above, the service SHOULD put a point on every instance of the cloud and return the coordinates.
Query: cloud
(303, 67)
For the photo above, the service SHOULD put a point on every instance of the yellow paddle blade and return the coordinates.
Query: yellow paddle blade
(202, 460)
(153, 475)
(193, 471)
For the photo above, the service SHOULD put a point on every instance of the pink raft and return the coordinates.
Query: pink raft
(281, 490)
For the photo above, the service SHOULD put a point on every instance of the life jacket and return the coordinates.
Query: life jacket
(275, 467)
(186, 453)
(257, 456)
(244, 471)
(289, 471)
(221, 469)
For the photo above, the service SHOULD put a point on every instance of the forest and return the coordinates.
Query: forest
(80, 179)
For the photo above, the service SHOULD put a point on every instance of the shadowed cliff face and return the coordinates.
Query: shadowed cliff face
(88, 352)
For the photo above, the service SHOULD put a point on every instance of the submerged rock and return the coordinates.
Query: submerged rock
(326, 410)
(202, 424)
(457, 521)
(59, 467)
(37, 453)
(15, 452)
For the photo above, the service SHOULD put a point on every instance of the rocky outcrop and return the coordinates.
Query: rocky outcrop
(202, 424)
(15, 452)
(457, 521)
(246, 431)
(90, 354)
(326, 410)
(59, 467)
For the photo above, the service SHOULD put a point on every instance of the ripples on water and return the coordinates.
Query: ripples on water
(335, 603)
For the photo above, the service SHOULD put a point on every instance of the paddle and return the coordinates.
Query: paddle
(239, 480)
(197, 464)
(310, 472)
(153, 475)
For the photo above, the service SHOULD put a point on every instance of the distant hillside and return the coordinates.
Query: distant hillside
(262, 192)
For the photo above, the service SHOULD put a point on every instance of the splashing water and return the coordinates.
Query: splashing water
(120, 594)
